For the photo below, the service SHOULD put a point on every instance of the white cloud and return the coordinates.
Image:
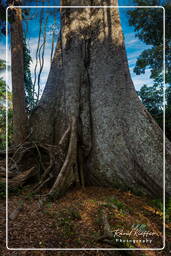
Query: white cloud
(132, 42)
(140, 80)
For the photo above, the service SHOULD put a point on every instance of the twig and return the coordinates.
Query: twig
(43, 183)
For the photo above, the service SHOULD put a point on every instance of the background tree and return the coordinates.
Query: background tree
(28, 84)
(2, 65)
(148, 25)
(31, 90)
(20, 125)
(3, 115)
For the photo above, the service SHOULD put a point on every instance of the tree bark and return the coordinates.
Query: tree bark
(120, 143)
(18, 99)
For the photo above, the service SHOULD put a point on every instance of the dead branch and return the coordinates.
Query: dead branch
(21, 178)
(3, 173)
(43, 183)
(40, 157)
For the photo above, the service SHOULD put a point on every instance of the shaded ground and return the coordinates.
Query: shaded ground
(77, 221)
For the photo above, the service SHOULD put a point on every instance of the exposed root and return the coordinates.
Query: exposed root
(65, 176)
(55, 167)
(46, 173)
(21, 178)
(65, 135)
(41, 185)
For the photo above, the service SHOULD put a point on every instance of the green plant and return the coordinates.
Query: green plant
(3, 115)
(48, 204)
(65, 222)
(157, 203)
(117, 203)
(168, 210)
(141, 227)
(28, 85)
(74, 214)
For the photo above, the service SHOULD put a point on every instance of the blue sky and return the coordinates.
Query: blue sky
(133, 47)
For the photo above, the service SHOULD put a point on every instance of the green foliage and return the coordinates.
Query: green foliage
(3, 115)
(152, 98)
(66, 220)
(168, 209)
(141, 227)
(2, 65)
(28, 85)
(157, 203)
(117, 203)
(74, 214)
(148, 25)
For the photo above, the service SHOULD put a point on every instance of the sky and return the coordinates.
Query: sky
(134, 47)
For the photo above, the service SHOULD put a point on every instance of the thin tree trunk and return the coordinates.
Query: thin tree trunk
(120, 144)
(18, 99)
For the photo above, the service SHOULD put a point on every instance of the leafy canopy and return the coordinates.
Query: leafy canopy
(148, 25)
(3, 114)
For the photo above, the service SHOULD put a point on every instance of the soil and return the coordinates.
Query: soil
(76, 221)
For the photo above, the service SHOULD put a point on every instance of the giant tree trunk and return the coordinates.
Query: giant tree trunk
(118, 142)
(18, 99)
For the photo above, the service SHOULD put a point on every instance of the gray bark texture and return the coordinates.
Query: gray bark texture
(119, 143)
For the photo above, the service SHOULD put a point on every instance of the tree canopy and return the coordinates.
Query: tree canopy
(148, 25)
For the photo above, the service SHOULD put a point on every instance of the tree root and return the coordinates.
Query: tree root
(65, 135)
(65, 176)
(21, 178)
(41, 185)
(54, 166)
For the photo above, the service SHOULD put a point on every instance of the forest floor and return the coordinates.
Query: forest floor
(77, 220)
